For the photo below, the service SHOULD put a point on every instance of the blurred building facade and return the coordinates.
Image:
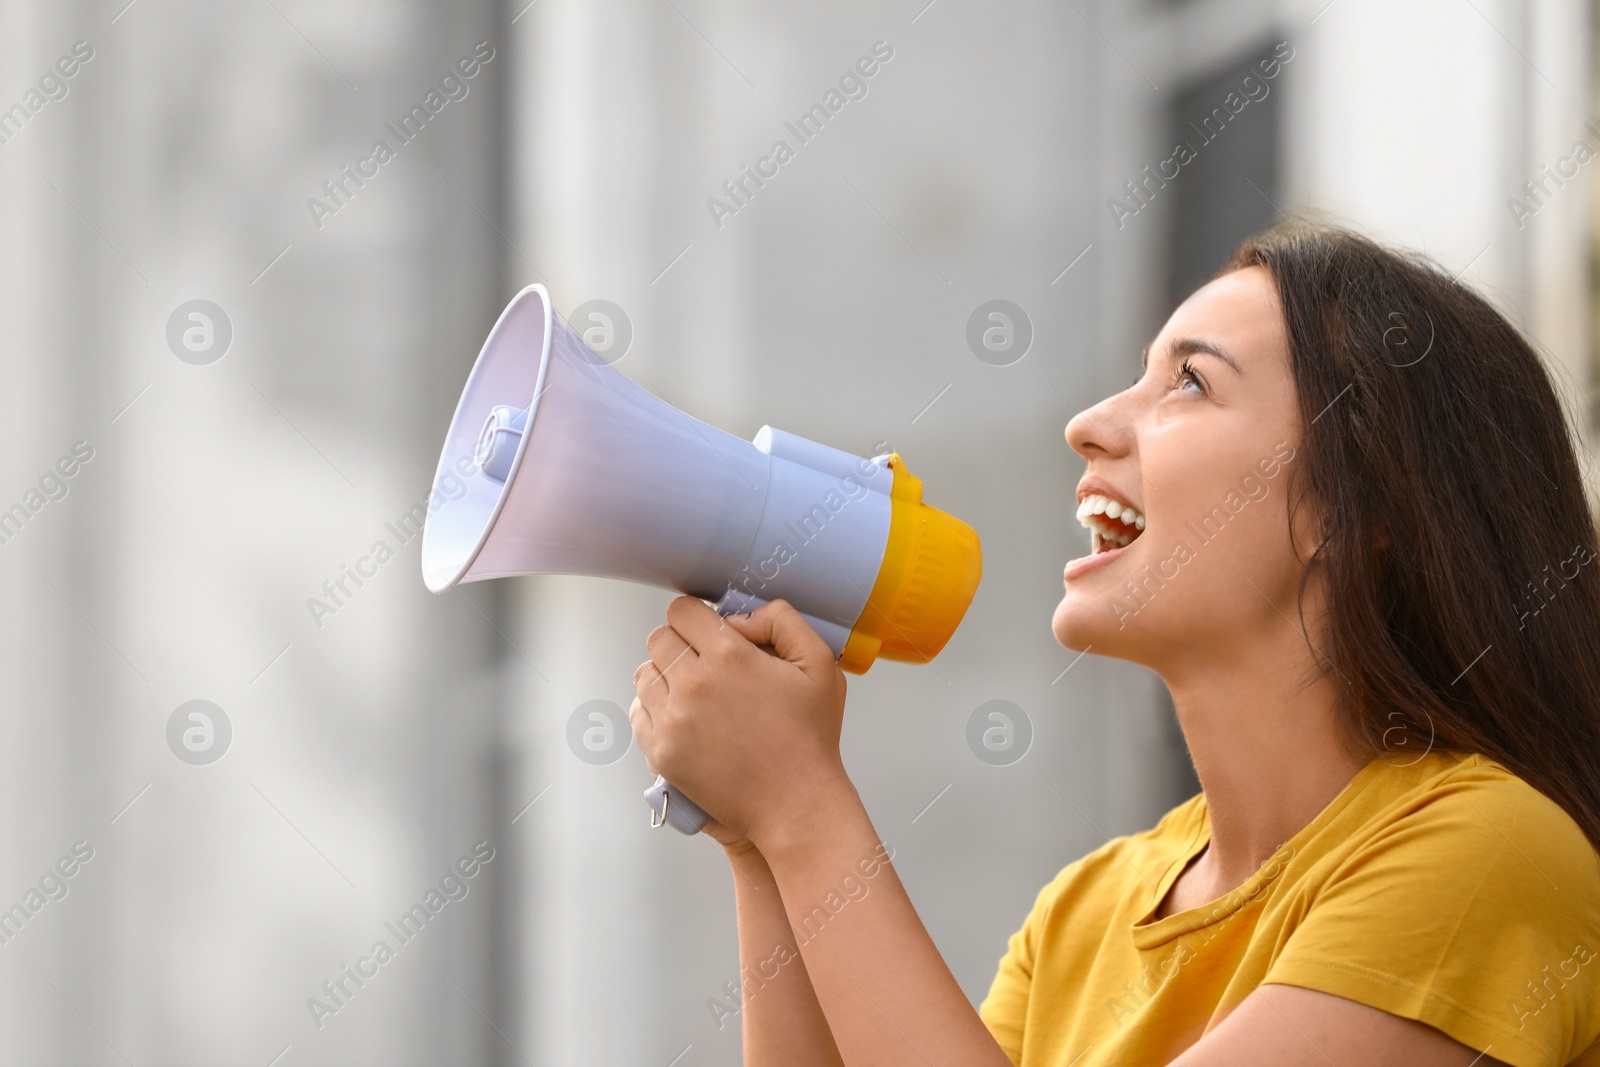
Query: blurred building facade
(379, 735)
(983, 162)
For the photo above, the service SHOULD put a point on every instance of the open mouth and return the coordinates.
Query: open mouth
(1112, 524)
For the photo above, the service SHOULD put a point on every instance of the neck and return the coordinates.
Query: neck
(1263, 729)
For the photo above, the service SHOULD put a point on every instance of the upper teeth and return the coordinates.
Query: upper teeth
(1110, 519)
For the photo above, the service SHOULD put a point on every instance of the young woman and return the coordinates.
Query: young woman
(1368, 575)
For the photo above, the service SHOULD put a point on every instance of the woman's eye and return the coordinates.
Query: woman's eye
(1187, 376)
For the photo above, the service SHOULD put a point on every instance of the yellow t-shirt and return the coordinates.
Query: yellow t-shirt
(1449, 891)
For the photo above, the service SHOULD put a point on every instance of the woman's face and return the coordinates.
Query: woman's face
(1202, 447)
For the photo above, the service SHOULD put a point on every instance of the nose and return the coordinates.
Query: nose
(1100, 432)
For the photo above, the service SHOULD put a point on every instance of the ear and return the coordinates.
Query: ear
(1306, 532)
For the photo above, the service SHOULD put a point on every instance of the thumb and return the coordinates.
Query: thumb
(791, 637)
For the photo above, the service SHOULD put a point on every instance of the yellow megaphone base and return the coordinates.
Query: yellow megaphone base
(931, 567)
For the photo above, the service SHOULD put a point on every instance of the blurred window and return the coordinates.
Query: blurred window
(1227, 190)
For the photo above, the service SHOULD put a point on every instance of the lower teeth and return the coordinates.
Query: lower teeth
(1107, 542)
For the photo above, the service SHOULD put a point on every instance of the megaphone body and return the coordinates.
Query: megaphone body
(560, 464)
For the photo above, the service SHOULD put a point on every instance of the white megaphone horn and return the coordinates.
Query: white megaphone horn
(556, 463)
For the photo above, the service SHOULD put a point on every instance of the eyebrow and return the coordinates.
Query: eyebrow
(1185, 346)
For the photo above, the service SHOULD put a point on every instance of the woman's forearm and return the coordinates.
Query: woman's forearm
(783, 1023)
(887, 994)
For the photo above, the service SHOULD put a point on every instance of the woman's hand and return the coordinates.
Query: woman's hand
(750, 736)
(738, 847)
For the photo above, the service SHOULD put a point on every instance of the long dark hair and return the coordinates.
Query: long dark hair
(1457, 547)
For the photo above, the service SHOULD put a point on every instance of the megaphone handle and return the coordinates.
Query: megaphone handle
(669, 805)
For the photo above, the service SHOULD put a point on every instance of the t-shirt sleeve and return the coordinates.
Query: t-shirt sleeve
(1005, 1009)
(1477, 913)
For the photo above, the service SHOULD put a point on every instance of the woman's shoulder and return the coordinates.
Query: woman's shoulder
(1453, 892)
(1460, 804)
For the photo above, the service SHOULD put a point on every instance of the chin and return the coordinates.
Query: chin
(1075, 625)
(1083, 621)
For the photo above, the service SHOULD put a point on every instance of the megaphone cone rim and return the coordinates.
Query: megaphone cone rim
(511, 310)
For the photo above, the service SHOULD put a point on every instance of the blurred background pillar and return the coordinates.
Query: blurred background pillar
(231, 478)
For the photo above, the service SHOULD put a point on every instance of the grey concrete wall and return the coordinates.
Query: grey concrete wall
(220, 496)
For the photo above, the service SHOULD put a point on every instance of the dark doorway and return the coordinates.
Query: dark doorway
(1228, 190)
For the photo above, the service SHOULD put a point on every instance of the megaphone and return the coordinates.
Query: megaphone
(557, 463)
